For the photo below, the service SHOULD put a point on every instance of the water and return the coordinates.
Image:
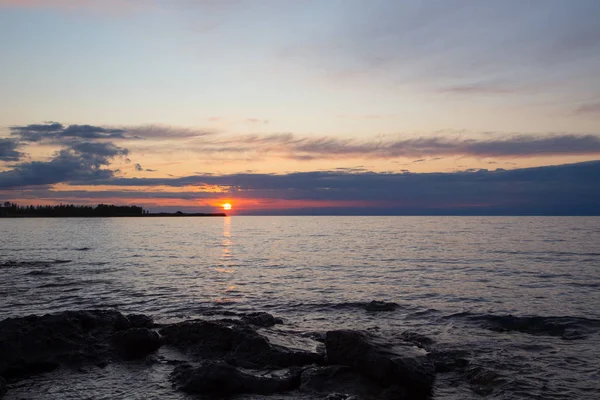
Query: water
(451, 276)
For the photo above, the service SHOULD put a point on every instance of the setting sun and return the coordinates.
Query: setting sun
(226, 206)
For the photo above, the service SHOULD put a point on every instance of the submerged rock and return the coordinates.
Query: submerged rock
(262, 319)
(482, 380)
(381, 306)
(136, 342)
(417, 339)
(219, 378)
(388, 365)
(568, 328)
(238, 344)
(339, 380)
(450, 360)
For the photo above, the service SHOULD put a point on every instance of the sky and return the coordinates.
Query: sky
(303, 106)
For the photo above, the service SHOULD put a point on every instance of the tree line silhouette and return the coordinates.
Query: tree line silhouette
(70, 210)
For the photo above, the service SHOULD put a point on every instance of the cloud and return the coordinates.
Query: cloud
(55, 132)
(589, 108)
(82, 161)
(220, 146)
(138, 167)
(8, 150)
(318, 148)
(561, 189)
(164, 132)
(478, 88)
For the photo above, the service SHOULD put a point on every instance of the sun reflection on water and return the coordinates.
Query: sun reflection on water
(225, 266)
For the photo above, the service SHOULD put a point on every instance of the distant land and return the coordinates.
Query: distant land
(12, 210)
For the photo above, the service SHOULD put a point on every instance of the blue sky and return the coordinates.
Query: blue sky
(284, 87)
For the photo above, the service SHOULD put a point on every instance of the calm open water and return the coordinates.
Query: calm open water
(452, 276)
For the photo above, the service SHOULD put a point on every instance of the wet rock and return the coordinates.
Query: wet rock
(136, 342)
(203, 338)
(35, 344)
(140, 321)
(340, 396)
(3, 387)
(219, 378)
(262, 319)
(381, 306)
(388, 365)
(239, 344)
(255, 351)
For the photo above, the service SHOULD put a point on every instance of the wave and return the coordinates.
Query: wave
(40, 273)
(31, 264)
(568, 328)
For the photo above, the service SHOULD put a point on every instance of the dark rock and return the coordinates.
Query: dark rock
(140, 321)
(381, 306)
(262, 319)
(388, 365)
(136, 342)
(239, 344)
(340, 396)
(35, 344)
(219, 378)
(204, 338)
(3, 387)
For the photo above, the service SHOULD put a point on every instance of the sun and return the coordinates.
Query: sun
(226, 206)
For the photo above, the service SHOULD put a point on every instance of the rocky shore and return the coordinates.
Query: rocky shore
(229, 355)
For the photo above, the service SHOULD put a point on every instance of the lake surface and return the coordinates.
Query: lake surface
(456, 279)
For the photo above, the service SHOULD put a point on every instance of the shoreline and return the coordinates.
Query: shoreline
(155, 215)
(228, 356)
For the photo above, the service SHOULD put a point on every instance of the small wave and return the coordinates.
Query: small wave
(83, 249)
(350, 305)
(569, 328)
(75, 283)
(58, 284)
(30, 264)
(40, 273)
(583, 284)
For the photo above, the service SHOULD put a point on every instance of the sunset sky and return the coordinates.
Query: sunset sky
(302, 106)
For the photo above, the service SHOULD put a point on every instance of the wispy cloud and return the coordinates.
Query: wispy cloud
(291, 146)
(589, 109)
(55, 132)
(297, 147)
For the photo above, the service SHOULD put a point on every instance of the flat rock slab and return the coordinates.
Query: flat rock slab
(240, 345)
(399, 364)
(220, 378)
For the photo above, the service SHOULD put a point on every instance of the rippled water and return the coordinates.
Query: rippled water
(455, 278)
